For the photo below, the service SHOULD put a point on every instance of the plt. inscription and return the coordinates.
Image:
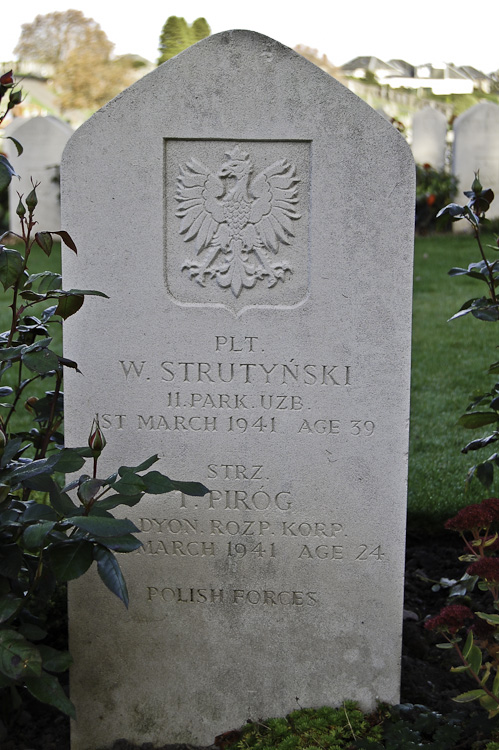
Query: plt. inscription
(234, 220)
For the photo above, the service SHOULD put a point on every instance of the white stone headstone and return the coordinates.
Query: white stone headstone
(43, 140)
(476, 147)
(252, 223)
(429, 132)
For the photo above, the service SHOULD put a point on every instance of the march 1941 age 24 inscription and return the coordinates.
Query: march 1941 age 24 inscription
(253, 231)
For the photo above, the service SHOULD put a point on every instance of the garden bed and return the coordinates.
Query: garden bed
(425, 669)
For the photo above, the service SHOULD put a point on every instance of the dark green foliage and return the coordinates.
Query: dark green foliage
(402, 727)
(49, 533)
(177, 35)
(326, 728)
(483, 408)
(435, 188)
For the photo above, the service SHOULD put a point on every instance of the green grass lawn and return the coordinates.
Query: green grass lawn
(449, 362)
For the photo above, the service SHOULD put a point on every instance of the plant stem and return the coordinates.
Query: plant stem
(489, 269)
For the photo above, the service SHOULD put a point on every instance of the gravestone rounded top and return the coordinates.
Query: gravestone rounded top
(243, 78)
(485, 112)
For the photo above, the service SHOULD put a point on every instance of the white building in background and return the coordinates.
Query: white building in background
(440, 78)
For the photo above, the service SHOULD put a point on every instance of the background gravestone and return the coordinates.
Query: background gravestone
(253, 228)
(476, 146)
(429, 131)
(43, 140)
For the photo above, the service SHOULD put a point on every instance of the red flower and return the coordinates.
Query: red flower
(7, 79)
(450, 619)
(431, 200)
(474, 517)
(486, 568)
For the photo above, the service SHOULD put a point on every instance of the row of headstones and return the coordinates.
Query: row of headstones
(475, 145)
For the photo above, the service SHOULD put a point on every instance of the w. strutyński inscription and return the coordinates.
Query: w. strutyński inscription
(253, 232)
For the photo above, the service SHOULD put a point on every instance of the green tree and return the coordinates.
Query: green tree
(177, 35)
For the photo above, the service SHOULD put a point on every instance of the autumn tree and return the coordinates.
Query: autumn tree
(177, 35)
(79, 52)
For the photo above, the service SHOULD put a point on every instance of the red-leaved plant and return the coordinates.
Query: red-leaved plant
(478, 526)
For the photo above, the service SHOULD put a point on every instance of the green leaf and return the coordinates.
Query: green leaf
(40, 344)
(8, 605)
(495, 685)
(53, 660)
(49, 282)
(488, 703)
(69, 461)
(471, 695)
(130, 484)
(42, 361)
(11, 560)
(445, 646)
(87, 292)
(66, 238)
(110, 573)
(102, 526)
(32, 469)
(18, 657)
(468, 645)
(61, 502)
(126, 543)
(453, 209)
(10, 451)
(32, 632)
(16, 143)
(38, 512)
(11, 352)
(492, 619)
(489, 313)
(89, 488)
(477, 419)
(475, 659)
(34, 536)
(47, 689)
(463, 668)
(11, 266)
(45, 241)
(485, 473)
(196, 489)
(69, 305)
(141, 467)
(113, 501)
(6, 172)
(69, 560)
(158, 484)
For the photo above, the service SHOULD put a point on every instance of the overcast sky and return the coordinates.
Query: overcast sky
(419, 31)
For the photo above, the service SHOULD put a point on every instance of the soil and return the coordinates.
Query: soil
(426, 678)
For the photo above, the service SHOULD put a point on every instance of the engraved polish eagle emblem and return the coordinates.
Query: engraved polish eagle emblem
(237, 222)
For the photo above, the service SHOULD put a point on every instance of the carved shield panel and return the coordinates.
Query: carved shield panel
(236, 222)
